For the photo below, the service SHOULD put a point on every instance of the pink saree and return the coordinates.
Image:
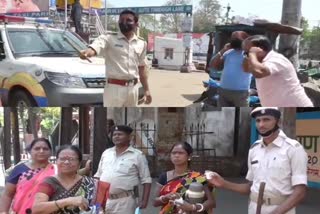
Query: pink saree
(27, 187)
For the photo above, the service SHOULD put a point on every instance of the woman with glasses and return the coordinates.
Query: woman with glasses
(174, 184)
(22, 182)
(69, 192)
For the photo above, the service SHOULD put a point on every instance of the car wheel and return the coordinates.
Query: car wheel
(21, 99)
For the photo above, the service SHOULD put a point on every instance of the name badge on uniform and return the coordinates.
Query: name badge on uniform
(254, 162)
(118, 45)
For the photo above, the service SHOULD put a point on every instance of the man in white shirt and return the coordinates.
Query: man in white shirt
(276, 78)
(277, 161)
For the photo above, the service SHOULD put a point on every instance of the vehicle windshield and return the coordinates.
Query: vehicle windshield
(43, 42)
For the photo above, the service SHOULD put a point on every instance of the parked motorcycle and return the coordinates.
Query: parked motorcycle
(209, 98)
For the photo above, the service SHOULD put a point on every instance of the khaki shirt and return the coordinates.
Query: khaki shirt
(123, 172)
(122, 56)
(282, 165)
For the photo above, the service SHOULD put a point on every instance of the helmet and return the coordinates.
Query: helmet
(260, 111)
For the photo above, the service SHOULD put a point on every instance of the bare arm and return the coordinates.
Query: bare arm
(7, 196)
(245, 65)
(144, 81)
(220, 182)
(86, 170)
(299, 193)
(240, 188)
(157, 201)
(257, 69)
(145, 195)
(42, 205)
(218, 61)
(210, 202)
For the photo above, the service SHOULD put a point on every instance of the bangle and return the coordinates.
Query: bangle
(56, 203)
(161, 199)
(201, 207)
(194, 207)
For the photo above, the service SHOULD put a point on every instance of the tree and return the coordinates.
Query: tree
(310, 41)
(172, 22)
(206, 16)
(148, 24)
(291, 15)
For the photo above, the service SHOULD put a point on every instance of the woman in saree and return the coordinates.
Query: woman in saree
(175, 183)
(69, 192)
(22, 183)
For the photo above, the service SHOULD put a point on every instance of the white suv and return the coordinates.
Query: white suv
(39, 67)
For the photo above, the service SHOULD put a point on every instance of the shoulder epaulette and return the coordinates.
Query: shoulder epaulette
(292, 142)
(255, 144)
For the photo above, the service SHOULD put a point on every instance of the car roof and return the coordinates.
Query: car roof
(26, 26)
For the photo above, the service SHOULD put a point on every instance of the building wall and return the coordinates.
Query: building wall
(161, 43)
(220, 122)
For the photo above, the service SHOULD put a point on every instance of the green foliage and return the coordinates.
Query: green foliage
(50, 117)
(172, 22)
(310, 41)
(148, 24)
(206, 16)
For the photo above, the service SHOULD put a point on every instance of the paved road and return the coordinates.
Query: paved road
(172, 88)
(230, 203)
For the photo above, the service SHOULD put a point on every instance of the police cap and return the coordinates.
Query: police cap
(123, 128)
(261, 111)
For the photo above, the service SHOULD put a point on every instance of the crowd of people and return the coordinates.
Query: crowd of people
(247, 57)
(39, 186)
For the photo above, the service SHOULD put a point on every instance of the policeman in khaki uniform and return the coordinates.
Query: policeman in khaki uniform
(124, 167)
(125, 62)
(277, 161)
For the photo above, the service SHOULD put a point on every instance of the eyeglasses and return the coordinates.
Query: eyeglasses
(64, 159)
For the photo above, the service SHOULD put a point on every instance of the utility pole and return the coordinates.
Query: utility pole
(228, 13)
(289, 44)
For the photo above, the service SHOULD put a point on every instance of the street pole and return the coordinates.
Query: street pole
(289, 44)
(65, 14)
(105, 16)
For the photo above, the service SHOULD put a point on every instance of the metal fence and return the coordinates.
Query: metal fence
(195, 134)
(145, 138)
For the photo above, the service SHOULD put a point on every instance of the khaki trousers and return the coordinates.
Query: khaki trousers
(266, 209)
(126, 205)
(120, 96)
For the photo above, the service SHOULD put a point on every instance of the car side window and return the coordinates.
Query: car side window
(2, 53)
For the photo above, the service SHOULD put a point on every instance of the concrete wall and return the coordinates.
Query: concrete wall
(221, 122)
(141, 119)
(161, 43)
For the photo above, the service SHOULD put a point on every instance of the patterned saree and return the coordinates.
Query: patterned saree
(179, 185)
(27, 187)
(95, 191)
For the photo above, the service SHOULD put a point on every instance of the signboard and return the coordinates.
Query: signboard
(150, 10)
(308, 134)
(23, 6)
(86, 4)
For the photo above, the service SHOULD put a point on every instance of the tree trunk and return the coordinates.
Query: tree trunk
(6, 143)
(289, 44)
(15, 135)
(98, 135)
(65, 135)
